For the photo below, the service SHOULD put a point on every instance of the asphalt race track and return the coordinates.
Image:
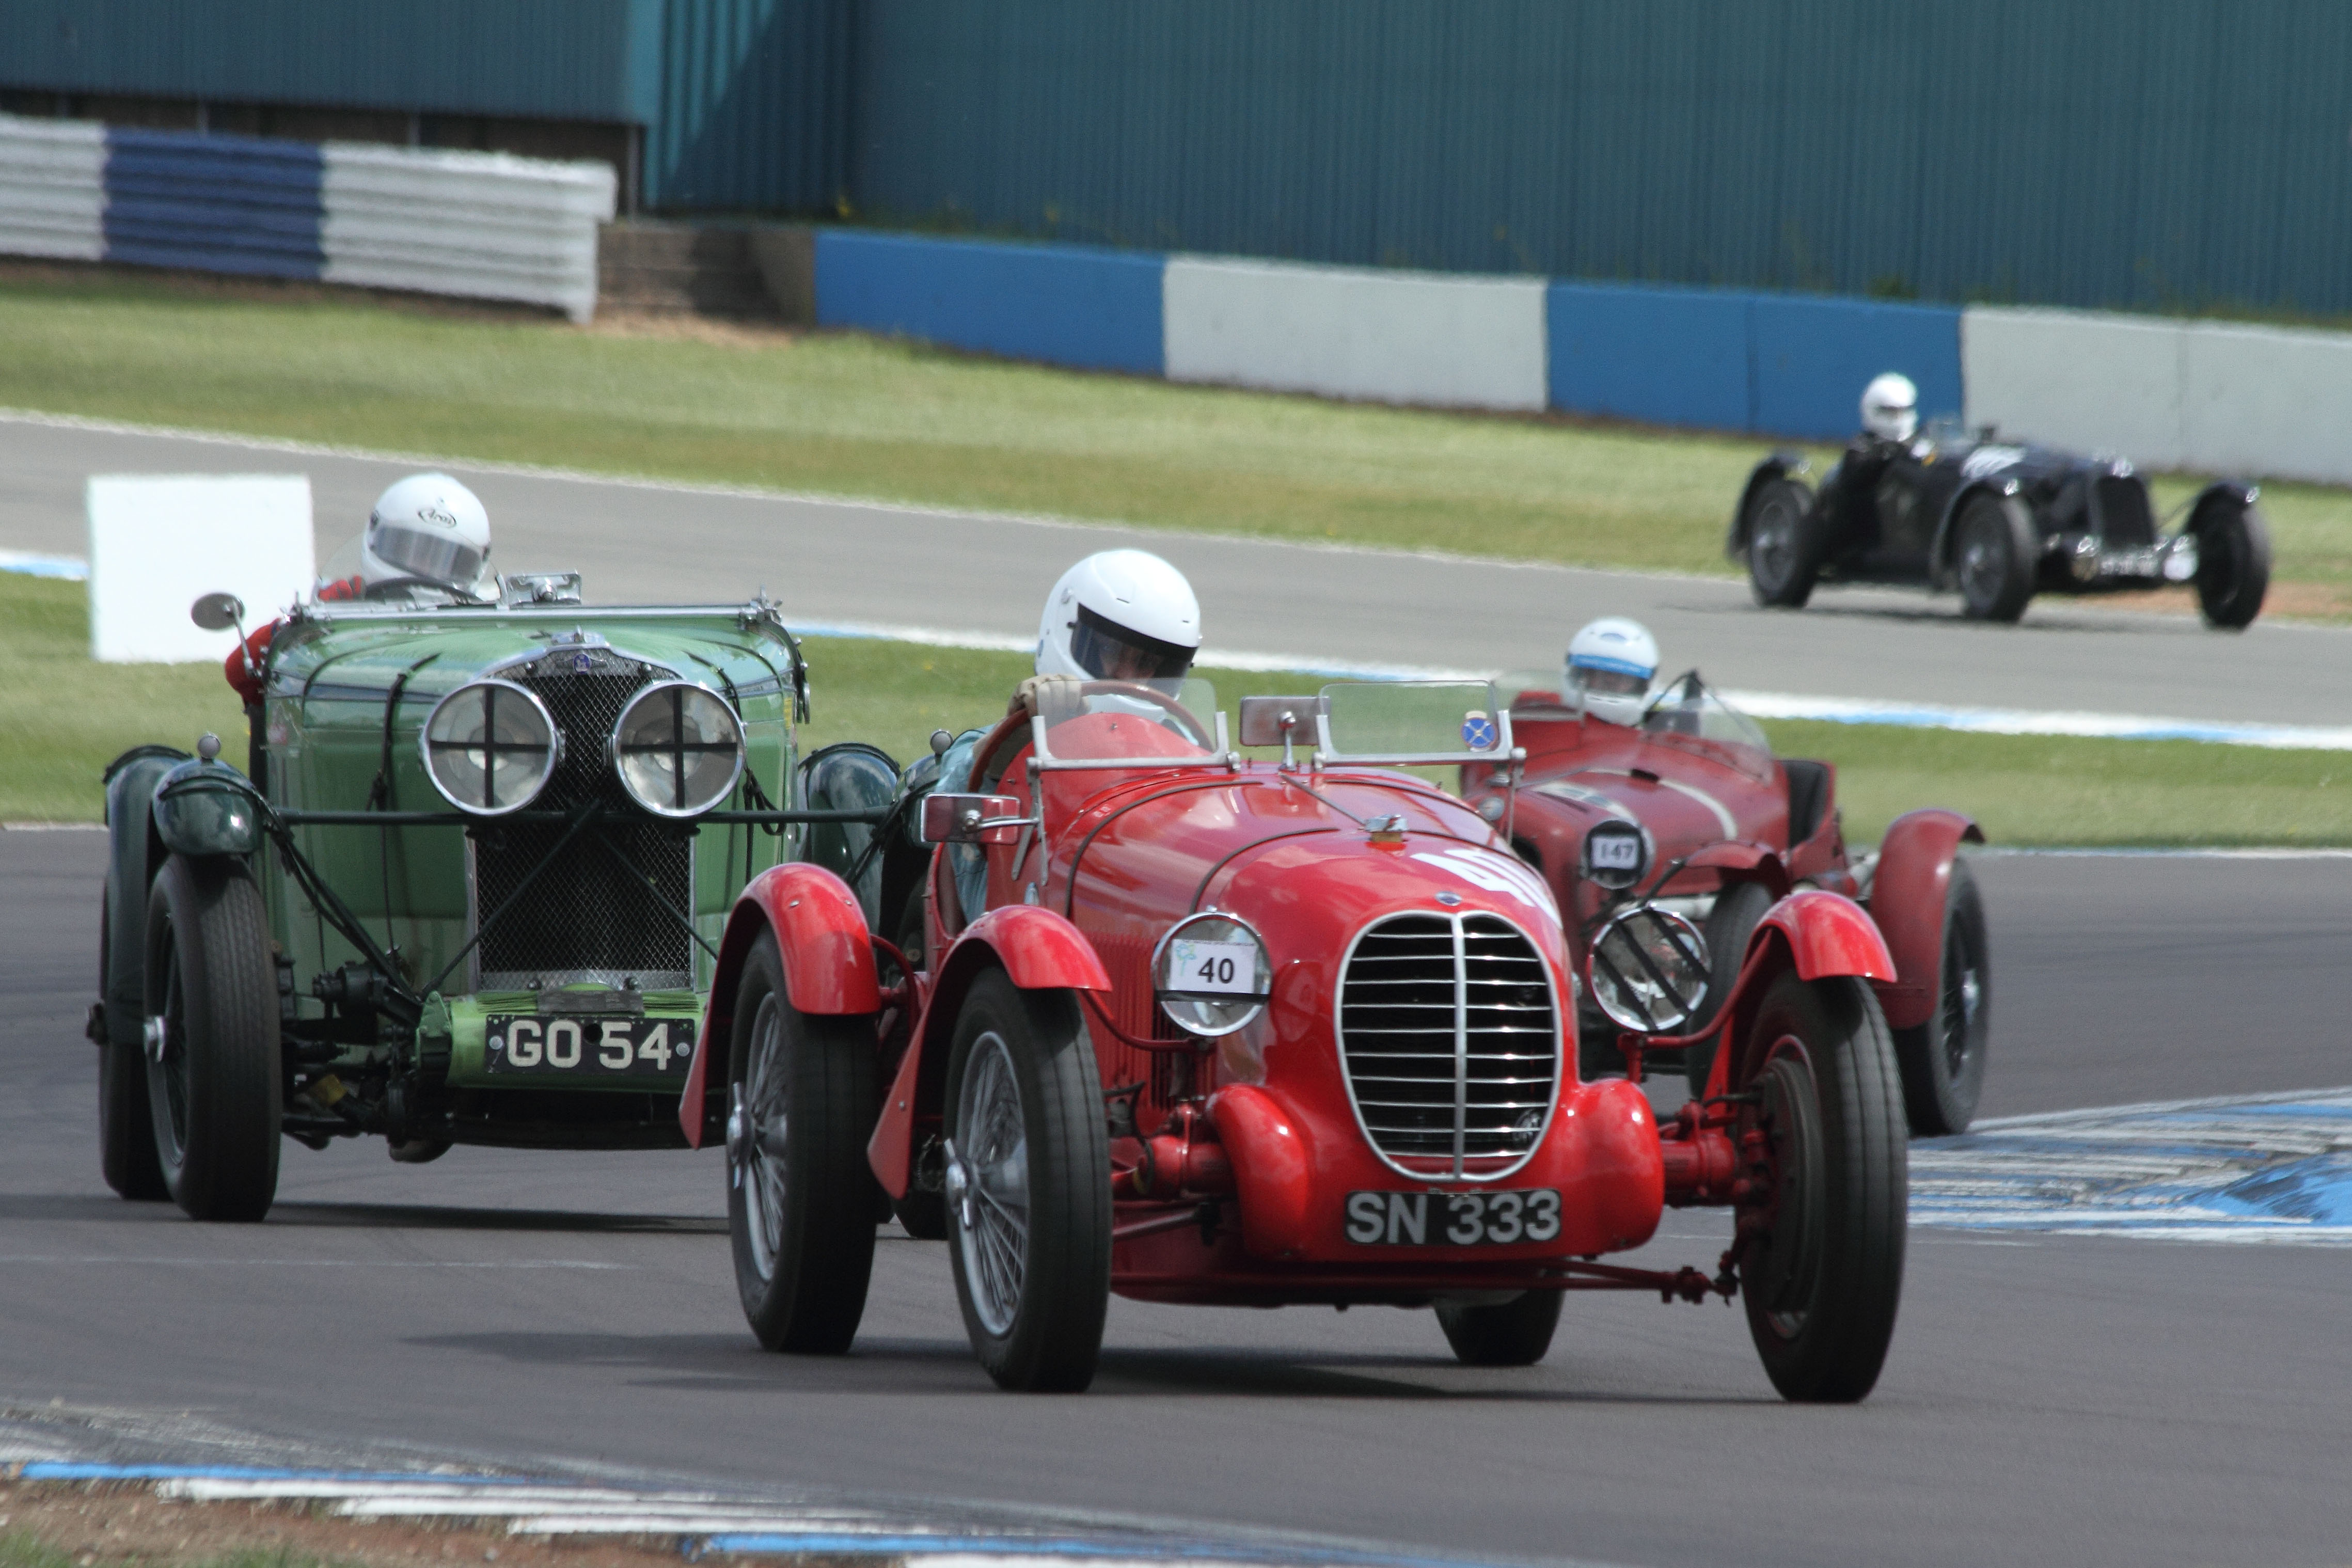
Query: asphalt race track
(2071, 1400)
(831, 563)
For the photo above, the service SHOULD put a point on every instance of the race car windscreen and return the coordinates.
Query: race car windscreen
(1414, 721)
(1109, 651)
(1129, 721)
(1690, 706)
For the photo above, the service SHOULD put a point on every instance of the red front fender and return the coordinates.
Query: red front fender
(1907, 896)
(1827, 934)
(828, 958)
(1039, 951)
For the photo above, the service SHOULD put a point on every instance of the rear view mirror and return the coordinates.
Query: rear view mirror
(1272, 721)
(971, 819)
(217, 611)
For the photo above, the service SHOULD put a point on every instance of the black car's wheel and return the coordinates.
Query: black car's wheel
(1823, 1279)
(800, 1198)
(2234, 565)
(1516, 1333)
(1994, 556)
(126, 1128)
(214, 1091)
(1028, 1186)
(1729, 925)
(1943, 1060)
(1783, 552)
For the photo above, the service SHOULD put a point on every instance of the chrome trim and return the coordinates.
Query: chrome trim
(1455, 918)
(613, 749)
(1264, 999)
(554, 747)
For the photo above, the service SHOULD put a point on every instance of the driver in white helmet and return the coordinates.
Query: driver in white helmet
(1117, 615)
(1611, 663)
(428, 536)
(1890, 409)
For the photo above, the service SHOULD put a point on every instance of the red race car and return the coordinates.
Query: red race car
(1688, 811)
(1281, 1029)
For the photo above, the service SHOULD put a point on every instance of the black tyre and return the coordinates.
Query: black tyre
(801, 1200)
(1028, 1187)
(214, 1089)
(1783, 544)
(1994, 555)
(1823, 1281)
(922, 1215)
(126, 1128)
(1516, 1333)
(2234, 565)
(1943, 1060)
(1729, 925)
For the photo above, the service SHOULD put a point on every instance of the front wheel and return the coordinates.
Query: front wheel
(1028, 1186)
(126, 1127)
(2233, 567)
(1516, 1333)
(1943, 1059)
(800, 1198)
(1783, 554)
(1821, 1261)
(214, 1088)
(1996, 558)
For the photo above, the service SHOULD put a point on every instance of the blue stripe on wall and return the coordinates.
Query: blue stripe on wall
(1064, 305)
(1813, 356)
(222, 203)
(1663, 356)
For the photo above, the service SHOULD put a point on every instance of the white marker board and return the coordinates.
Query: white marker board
(159, 542)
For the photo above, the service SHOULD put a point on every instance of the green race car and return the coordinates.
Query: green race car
(470, 888)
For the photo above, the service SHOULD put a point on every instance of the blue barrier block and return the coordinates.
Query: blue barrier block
(1064, 304)
(220, 204)
(1663, 355)
(1813, 356)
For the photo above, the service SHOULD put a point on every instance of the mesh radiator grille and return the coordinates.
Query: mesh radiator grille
(2123, 514)
(1450, 1037)
(586, 916)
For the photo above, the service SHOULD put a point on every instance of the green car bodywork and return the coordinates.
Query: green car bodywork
(533, 979)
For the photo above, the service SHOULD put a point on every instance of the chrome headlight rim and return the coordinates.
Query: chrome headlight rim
(1250, 1006)
(1690, 959)
(553, 758)
(614, 750)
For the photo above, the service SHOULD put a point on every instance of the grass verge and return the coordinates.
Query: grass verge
(63, 717)
(849, 414)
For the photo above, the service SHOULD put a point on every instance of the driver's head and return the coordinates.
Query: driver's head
(1609, 663)
(429, 529)
(1119, 615)
(1890, 407)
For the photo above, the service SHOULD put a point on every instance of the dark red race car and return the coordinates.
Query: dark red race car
(1285, 1029)
(1690, 812)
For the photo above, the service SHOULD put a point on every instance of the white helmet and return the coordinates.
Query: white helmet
(1609, 663)
(1890, 407)
(429, 527)
(1119, 615)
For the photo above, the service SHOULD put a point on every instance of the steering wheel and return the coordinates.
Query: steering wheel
(1185, 723)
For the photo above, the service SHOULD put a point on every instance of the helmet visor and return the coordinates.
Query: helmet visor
(1109, 651)
(436, 558)
(1608, 680)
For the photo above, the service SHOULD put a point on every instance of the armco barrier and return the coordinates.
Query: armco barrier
(479, 224)
(1390, 337)
(1065, 304)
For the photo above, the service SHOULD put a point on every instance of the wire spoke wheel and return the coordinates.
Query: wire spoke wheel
(1028, 1186)
(1943, 1058)
(1997, 552)
(1781, 553)
(801, 1096)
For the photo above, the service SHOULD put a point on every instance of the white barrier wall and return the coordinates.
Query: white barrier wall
(1384, 337)
(482, 225)
(158, 542)
(2264, 402)
(52, 188)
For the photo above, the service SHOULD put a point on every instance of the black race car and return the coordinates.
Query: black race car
(1998, 522)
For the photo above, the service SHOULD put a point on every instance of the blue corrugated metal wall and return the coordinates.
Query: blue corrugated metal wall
(2146, 153)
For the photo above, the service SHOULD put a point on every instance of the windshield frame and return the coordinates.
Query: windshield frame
(1327, 753)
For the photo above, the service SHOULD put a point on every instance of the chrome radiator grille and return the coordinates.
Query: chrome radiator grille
(1449, 1034)
(2123, 514)
(587, 916)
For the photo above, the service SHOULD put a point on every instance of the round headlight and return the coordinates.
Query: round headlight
(491, 747)
(678, 749)
(1616, 854)
(1212, 974)
(1649, 970)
